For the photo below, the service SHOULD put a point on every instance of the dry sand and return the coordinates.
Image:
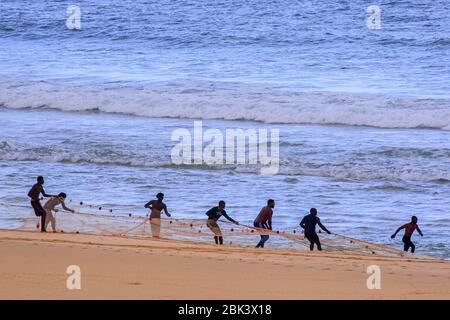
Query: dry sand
(33, 266)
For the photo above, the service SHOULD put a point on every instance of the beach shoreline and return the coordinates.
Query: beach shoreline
(33, 266)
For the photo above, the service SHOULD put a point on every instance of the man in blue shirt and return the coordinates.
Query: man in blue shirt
(214, 214)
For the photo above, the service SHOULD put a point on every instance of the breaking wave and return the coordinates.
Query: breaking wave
(229, 101)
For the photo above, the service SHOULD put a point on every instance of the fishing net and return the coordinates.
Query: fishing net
(98, 220)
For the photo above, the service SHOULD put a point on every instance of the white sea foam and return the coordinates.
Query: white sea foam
(229, 101)
(363, 171)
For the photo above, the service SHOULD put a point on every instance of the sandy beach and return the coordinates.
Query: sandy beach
(33, 266)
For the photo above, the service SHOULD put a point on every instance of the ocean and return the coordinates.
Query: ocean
(363, 114)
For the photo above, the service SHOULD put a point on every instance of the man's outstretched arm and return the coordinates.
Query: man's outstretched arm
(419, 231)
(323, 227)
(65, 208)
(46, 195)
(398, 230)
(229, 218)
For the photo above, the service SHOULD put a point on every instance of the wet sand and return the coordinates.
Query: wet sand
(33, 266)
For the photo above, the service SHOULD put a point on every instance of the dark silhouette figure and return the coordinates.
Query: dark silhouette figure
(308, 223)
(34, 193)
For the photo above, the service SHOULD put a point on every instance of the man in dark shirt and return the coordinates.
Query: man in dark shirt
(264, 222)
(214, 214)
(34, 193)
(409, 230)
(309, 223)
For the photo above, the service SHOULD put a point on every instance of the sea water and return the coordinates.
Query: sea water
(363, 114)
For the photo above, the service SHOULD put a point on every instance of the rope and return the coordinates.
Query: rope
(181, 221)
(368, 244)
(76, 213)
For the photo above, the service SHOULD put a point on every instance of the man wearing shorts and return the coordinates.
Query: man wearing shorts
(34, 193)
(409, 230)
(214, 215)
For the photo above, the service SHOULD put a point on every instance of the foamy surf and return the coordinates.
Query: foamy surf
(229, 101)
(361, 169)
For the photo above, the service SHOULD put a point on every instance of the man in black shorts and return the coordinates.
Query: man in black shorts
(409, 230)
(34, 193)
(308, 223)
